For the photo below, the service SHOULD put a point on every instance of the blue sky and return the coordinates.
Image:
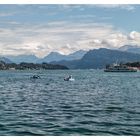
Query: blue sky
(40, 29)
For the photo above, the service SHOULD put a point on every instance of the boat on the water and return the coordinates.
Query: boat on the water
(35, 77)
(69, 78)
(119, 68)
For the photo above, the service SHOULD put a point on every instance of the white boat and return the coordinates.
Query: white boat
(69, 78)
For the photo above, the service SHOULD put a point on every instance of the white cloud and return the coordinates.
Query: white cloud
(120, 6)
(127, 7)
(134, 35)
(64, 37)
(4, 14)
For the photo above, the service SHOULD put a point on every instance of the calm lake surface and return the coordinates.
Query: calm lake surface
(96, 103)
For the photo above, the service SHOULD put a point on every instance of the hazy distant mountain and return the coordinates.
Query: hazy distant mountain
(94, 59)
(55, 56)
(130, 48)
(6, 60)
(76, 55)
(23, 58)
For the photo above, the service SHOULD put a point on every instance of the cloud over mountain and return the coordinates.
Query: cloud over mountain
(42, 31)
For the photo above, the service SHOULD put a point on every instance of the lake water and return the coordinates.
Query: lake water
(96, 103)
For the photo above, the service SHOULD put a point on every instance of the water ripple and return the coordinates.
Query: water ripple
(96, 103)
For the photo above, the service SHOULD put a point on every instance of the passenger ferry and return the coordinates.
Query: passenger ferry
(119, 68)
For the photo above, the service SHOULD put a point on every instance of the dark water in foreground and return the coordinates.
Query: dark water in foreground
(96, 103)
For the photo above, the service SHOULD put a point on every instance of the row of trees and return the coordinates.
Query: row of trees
(133, 64)
(29, 66)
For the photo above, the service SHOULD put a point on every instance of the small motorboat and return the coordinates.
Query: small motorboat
(35, 77)
(69, 78)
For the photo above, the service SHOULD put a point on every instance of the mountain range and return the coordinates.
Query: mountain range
(6, 60)
(92, 59)
(53, 56)
(99, 58)
(23, 58)
(130, 48)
